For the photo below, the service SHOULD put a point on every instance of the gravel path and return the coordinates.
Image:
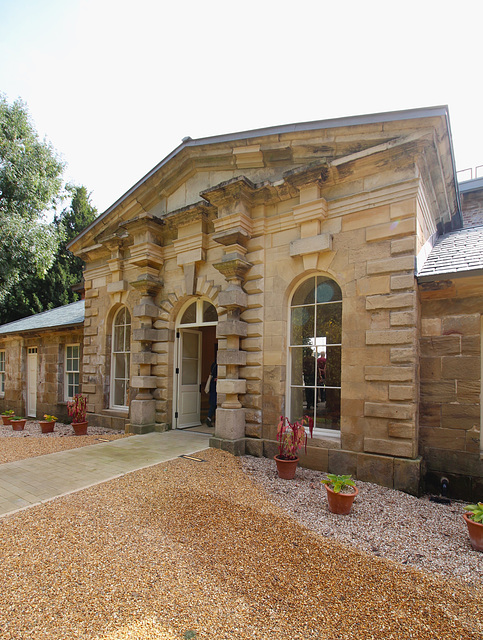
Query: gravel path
(199, 546)
(413, 531)
(31, 442)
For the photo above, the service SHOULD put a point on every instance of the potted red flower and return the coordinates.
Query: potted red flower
(291, 437)
(77, 409)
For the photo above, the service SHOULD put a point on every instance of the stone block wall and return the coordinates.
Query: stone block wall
(450, 392)
(50, 371)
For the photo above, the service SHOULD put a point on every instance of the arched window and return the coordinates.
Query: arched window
(315, 352)
(121, 358)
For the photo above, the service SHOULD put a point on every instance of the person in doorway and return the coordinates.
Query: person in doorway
(212, 392)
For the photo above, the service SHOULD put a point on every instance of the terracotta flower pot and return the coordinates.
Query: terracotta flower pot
(80, 428)
(475, 530)
(18, 425)
(340, 503)
(286, 468)
(47, 426)
(6, 420)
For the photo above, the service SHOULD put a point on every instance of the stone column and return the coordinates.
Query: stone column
(147, 255)
(143, 407)
(230, 417)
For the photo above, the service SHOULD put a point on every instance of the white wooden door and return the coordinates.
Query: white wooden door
(189, 378)
(32, 382)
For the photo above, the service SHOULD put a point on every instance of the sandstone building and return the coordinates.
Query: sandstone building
(323, 265)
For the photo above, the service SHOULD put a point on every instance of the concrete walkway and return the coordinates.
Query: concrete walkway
(36, 480)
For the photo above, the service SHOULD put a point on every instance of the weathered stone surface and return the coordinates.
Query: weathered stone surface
(460, 367)
(391, 301)
(390, 265)
(398, 448)
(401, 430)
(437, 346)
(392, 374)
(462, 324)
(393, 410)
(375, 468)
(230, 424)
(442, 438)
(391, 336)
(402, 282)
(401, 392)
(342, 462)
(232, 357)
(407, 476)
(438, 391)
(232, 328)
(430, 368)
(231, 386)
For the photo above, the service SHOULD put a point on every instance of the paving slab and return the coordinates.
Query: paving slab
(26, 483)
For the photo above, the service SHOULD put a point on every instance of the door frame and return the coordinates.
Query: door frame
(32, 411)
(196, 325)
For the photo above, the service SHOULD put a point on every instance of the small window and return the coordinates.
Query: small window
(2, 373)
(72, 363)
(197, 313)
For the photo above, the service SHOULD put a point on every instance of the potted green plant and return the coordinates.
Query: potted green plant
(48, 423)
(77, 409)
(341, 491)
(291, 437)
(474, 522)
(18, 423)
(7, 416)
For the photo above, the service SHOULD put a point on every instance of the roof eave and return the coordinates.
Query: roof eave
(347, 121)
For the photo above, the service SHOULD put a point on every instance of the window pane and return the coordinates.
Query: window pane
(121, 317)
(118, 339)
(189, 371)
(327, 290)
(120, 364)
(119, 393)
(329, 322)
(190, 345)
(127, 338)
(297, 410)
(189, 316)
(305, 294)
(297, 357)
(302, 325)
(328, 411)
(309, 367)
(333, 367)
(209, 312)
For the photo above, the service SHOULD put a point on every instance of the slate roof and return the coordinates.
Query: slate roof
(69, 314)
(458, 253)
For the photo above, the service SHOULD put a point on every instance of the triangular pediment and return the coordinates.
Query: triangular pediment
(276, 156)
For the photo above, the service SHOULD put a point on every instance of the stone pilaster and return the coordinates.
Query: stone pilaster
(147, 255)
(230, 417)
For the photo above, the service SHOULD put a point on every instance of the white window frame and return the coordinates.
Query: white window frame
(127, 361)
(71, 371)
(320, 345)
(2, 372)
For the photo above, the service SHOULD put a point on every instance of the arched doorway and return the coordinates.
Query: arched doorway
(196, 346)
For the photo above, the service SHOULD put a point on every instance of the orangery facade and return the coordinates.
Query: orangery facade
(290, 256)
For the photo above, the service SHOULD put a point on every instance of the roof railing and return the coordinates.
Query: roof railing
(478, 174)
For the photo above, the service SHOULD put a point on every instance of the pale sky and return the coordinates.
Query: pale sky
(116, 85)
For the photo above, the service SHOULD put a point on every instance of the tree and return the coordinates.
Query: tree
(54, 289)
(30, 183)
